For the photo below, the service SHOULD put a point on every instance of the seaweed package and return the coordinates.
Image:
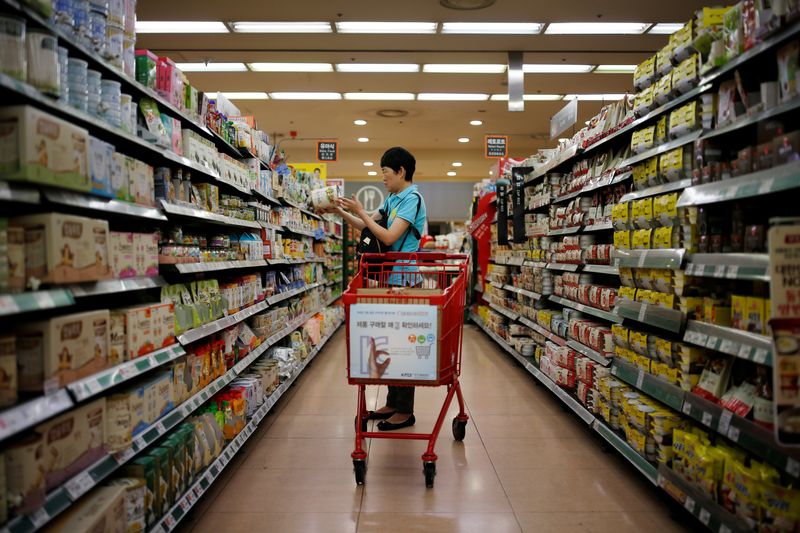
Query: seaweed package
(744, 494)
(780, 508)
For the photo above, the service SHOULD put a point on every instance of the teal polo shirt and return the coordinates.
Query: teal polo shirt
(404, 205)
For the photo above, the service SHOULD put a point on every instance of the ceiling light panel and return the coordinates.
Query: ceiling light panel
(556, 68)
(212, 67)
(615, 69)
(360, 122)
(463, 140)
(457, 163)
(451, 173)
(464, 68)
(452, 97)
(180, 26)
(377, 67)
(244, 95)
(378, 96)
(291, 67)
(596, 28)
(666, 28)
(363, 139)
(372, 173)
(529, 97)
(595, 97)
(492, 28)
(386, 27)
(282, 27)
(476, 123)
(305, 96)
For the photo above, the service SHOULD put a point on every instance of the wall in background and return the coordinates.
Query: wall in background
(445, 201)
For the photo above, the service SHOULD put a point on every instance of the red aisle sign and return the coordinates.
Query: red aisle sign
(481, 229)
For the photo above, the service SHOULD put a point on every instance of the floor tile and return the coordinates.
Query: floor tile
(593, 522)
(438, 522)
(510, 453)
(302, 522)
(317, 454)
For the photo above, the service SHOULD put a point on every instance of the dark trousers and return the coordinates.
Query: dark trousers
(401, 399)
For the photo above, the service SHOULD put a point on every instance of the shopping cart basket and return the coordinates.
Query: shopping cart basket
(410, 308)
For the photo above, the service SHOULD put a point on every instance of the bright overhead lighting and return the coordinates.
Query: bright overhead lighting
(244, 96)
(476, 123)
(372, 173)
(452, 97)
(596, 28)
(377, 67)
(305, 96)
(463, 139)
(180, 26)
(368, 163)
(378, 96)
(497, 28)
(555, 68)
(457, 163)
(360, 122)
(528, 97)
(282, 27)
(615, 69)
(212, 67)
(595, 97)
(386, 27)
(451, 173)
(464, 68)
(363, 139)
(291, 67)
(666, 28)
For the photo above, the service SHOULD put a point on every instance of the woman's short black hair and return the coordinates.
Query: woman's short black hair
(397, 157)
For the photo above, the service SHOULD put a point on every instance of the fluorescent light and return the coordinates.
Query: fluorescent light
(464, 68)
(180, 26)
(451, 173)
(372, 173)
(378, 96)
(386, 27)
(368, 163)
(377, 67)
(528, 97)
(463, 139)
(305, 96)
(291, 67)
(282, 27)
(452, 97)
(666, 28)
(360, 122)
(212, 67)
(476, 123)
(594, 97)
(596, 28)
(244, 96)
(363, 139)
(555, 68)
(457, 163)
(497, 28)
(615, 69)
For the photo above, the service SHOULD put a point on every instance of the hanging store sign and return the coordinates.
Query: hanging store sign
(502, 212)
(518, 201)
(481, 229)
(328, 151)
(564, 118)
(496, 146)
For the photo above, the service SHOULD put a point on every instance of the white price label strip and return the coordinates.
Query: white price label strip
(690, 504)
(727, 346)
(732, 272)
(642, 312)
(744, 351)
(79, 485)
(707, 418)
(39, 518)
(733, 433)
(8, 305)
(711, 341)
(760, 356)
(724, 421)
(687, 408)
(719, 271)
(640, 379)
(185, 505)
(705, 516)
(793, 467)
(44, 300)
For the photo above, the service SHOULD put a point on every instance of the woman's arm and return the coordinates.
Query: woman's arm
(386, 236)
(354, 221)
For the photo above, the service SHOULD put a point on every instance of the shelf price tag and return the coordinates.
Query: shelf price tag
(744, 351)
(719, 271)
(760, 356)
(184, 504)
(705, 516)
(708, 418)
(733, 433)
(690, 504)
(711, 341)
(79, 485)
(727, 346)
(39, 518)
(687, 408)
(724, 421)
(793, 467)
(44, 300)
(732, 272)
(640, 379)
(642, 312)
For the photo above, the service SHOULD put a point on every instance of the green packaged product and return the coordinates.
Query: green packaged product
(146, 68)
(177, 446)
(164, 479)
(146, 468)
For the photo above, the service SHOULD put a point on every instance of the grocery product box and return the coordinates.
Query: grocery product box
(103, 509)
(163, 318)
(101, 157)
(141, 183)
(121, 254)
(120, 176)
(38, 147)
(135, 501)
(126, 415)
(158, 396)
(8, 370)
(164, 478)
(15, 247)
(138, 325)
(61, 350)
(145, 247)
(146, 68)
(146, 468)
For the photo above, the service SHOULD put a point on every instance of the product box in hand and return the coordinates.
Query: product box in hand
(38, 147)
(64, 349)
(63, 248)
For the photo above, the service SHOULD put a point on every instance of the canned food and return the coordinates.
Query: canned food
(42, 51)
(12, 47)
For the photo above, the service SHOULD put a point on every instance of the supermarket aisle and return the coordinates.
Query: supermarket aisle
(525, 464)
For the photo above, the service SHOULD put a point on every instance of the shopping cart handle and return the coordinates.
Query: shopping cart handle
(412, 256)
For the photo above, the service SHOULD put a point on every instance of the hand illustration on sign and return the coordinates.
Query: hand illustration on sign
(377, 369)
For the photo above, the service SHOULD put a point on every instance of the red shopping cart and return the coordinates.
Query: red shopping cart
(410, 306)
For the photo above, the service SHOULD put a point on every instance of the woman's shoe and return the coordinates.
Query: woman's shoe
(374, 415)
(389, 426)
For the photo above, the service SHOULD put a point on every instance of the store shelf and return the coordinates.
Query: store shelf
(755, 118)
(729, 266)
(549, 335)
(303, 232)
(658, 189)
(552, 164)
(589, 310)
(189, 498)
(114, 286)
(95, 203)
(226, 146)
(563, 231)
(214, 266)
(218, 325)
(20, 417)
(267, 197)
(288, 294)
(643, 465)
(503, 311)
(25, 302)
(205, 216)
(671, 259)
(332, 300)
(769, 181)
(735, 342)
(711, 514)
(267, 225)
(102, 381)
(17, 192)
(603, 226)
(524, 292)
(666, 393)
(659, 317)
(566, 267)
(601, 269)
(588, 352)
(661, 149)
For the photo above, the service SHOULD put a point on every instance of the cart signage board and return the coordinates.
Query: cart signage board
(328, 151)
(407, 336)
(496, 146)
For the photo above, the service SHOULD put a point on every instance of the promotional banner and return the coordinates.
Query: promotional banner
(390, 341)
(518, 201)
(320, 170)
(481, 229)
(502, 211)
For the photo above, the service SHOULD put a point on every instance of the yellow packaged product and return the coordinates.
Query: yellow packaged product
(626, 277)
(620, 215)
(622, 240)
(645, 73)
(681, 43)
(642, 213)
(621, 335)
(644, 139)
(638, 342)
(639, 174)
(663, 280)
(661, 93)
(642, 239)
(780, 508)
(745, 493)
(755, 314)
(643, 102)
(627, 293)
(665, 209)
(667, 301)
(666, 238)
(664, 60)
(685, 75)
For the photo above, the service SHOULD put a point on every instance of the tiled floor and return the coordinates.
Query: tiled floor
(525, 465)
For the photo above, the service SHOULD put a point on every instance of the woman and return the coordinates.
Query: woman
(405, 209)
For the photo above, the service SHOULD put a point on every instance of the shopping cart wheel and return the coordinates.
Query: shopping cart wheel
(364, 422)
(459, 429)
(360, 468)
(429, 468)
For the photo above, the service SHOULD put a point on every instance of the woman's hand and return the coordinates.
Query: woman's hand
(376, 369)
(352, 205)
